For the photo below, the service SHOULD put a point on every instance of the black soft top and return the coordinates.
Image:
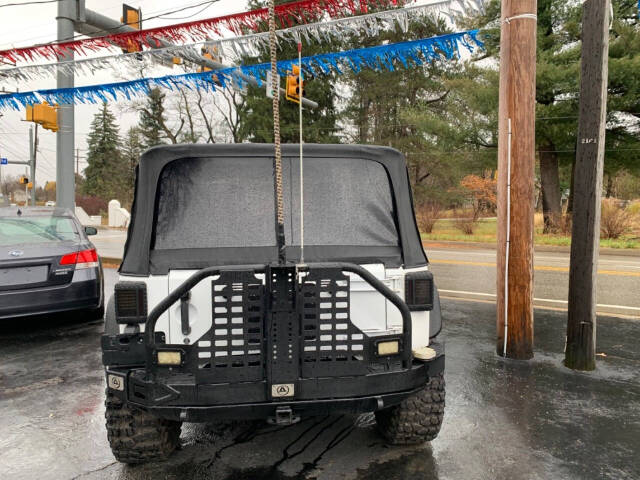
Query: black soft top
(169, 175)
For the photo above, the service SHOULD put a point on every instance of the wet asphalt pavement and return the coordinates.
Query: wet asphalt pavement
(503, 420)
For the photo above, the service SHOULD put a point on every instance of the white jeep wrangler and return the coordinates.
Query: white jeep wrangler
(211, 319)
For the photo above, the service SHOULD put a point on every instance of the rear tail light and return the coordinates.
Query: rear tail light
(82, 259)
(418, 290)
(131, 302)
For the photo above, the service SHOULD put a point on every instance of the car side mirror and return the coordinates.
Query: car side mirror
(91, 230)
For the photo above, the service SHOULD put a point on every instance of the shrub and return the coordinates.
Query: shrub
(615, 221)
(92, 205)
(465, 221)
(427, 214)
(483, 192)
(634, 208)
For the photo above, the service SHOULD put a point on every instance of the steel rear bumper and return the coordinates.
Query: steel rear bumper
(177, 398)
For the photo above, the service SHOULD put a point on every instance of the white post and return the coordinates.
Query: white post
(301, 79)
(506, 262)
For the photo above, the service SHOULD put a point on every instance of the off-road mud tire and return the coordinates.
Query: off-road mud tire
(418, 418)
(137, 436)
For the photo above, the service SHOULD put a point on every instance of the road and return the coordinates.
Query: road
(504, 419)
(110, 242)
(470, 273)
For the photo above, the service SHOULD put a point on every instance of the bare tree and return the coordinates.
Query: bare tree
(193, 134)
(228, 103)
(206, 118)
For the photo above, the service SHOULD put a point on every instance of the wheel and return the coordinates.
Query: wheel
(418, 418)
(136, 436)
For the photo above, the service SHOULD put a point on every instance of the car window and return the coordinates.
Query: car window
(21, 230)
(229, 202)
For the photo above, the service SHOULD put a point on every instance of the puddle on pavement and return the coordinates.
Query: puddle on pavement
(420, 465)
(263, 473)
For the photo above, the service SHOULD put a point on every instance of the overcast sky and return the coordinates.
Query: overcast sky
(31, 24)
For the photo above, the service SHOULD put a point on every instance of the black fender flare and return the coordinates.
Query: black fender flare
(110, 325)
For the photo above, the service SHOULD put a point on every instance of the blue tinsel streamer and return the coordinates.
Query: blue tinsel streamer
(382, 57)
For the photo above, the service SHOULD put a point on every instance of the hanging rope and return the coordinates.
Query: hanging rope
(277, 161)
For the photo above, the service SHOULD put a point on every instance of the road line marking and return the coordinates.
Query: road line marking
(547, 268)
(464, 262)
(542, 307)
(493, 295)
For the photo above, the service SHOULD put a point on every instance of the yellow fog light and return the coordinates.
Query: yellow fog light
(388, 348)
(169, 358)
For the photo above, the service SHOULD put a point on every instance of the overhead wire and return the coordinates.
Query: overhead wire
(163, 11)
(108, 30)
(23, 4)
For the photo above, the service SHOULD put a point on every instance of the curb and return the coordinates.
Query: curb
(625, 252)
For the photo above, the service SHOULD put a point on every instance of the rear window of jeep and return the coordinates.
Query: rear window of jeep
(229, 202)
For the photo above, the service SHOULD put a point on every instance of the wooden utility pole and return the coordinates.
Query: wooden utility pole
(587, 184)
(516, 164)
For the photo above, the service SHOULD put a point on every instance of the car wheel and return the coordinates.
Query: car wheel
(418, 418)
(137, 436)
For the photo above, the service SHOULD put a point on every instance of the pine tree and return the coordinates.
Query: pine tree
(557, 91)
(426, 112)
(106, 168)
(152, 119)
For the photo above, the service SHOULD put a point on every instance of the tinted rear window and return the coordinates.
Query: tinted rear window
(21, 230)
(229, 202)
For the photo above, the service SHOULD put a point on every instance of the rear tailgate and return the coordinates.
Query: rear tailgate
(368, 308)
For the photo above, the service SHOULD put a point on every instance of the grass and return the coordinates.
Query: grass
(485, 232)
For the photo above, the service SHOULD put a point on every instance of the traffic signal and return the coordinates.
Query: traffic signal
(133, 18)
(204, 68)
(43, 114)
(295, 87)
(212, 53)
(23, 180)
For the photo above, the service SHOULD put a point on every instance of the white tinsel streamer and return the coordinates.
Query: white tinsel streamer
(247, 45)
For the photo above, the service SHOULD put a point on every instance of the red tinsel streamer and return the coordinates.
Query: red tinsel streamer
(287, 15)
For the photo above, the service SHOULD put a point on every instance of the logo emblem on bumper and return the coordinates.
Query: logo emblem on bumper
(282, 390)
(116, 382)
(16, 253)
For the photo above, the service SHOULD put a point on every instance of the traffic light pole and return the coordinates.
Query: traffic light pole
(516, 173)
(94, 24)
(33, 149)
(65, 141)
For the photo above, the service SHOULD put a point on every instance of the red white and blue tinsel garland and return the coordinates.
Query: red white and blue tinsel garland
(384, 57)
(287, 15)
(233, 49)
